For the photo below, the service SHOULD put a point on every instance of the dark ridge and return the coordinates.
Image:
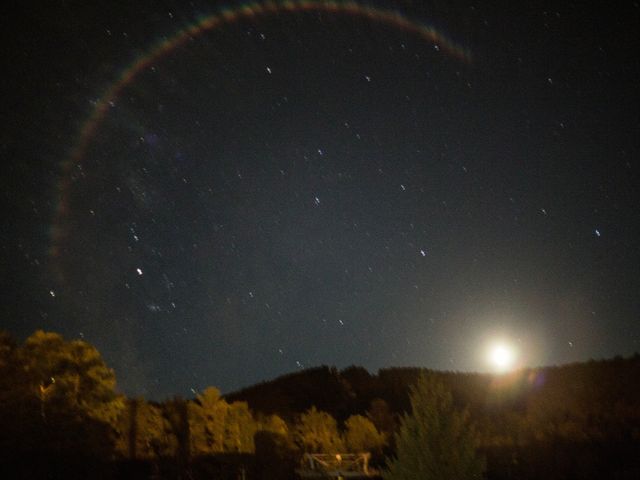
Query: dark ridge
(596, 386)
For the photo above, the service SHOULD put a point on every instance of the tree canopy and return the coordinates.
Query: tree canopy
(361, 435)
(434, 441)
(317, 432)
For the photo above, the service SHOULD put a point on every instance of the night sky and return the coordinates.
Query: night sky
(379, 184)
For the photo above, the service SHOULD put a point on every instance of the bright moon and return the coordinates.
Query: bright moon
(502, 357)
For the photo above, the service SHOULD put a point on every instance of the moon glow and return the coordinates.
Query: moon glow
(502, 357)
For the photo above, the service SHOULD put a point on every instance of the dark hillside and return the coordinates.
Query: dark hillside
(595, 399)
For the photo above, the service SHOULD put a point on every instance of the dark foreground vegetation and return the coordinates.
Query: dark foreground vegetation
(62, 417)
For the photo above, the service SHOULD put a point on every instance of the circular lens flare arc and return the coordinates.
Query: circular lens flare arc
(208, 23)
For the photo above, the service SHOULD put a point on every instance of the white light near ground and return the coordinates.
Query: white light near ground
(502, 357)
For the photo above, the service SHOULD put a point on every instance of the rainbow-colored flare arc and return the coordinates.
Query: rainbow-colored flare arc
(211, 22)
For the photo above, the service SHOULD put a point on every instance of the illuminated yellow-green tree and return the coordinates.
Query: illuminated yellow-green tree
(240, 428)
(208, 415)
(218, 426)
(361, 435)
(273, 424)
(145, 433)
(317, 432)
(70, 374)
(435, 441)
(57, 394)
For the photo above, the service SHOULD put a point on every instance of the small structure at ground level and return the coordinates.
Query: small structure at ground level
(336, 466)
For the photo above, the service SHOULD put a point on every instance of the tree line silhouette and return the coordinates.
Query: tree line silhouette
(62, 417)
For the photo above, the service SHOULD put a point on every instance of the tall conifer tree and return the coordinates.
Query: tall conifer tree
(435, 441)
